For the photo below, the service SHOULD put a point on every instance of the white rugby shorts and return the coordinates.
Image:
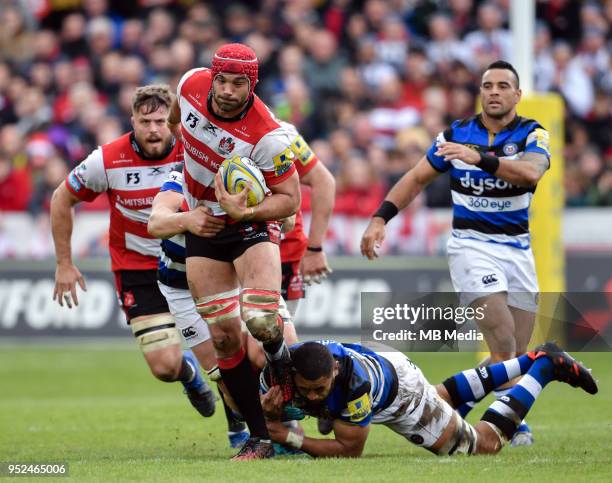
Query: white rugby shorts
(190, 325)
(418, 413)
(478, 268)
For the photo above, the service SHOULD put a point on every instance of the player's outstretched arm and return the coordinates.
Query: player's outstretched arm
(323, 185)
(166, 220)
(400, 196)
(67, 275)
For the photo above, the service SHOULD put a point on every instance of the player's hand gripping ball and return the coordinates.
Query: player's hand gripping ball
(238, 173)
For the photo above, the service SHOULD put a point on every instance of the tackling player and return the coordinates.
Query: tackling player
(355, 387)
(495, 161)
(130, 171)
(235, 274)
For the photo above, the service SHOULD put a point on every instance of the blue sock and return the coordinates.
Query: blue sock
(190, 375)
(474, 384)
(507, 412)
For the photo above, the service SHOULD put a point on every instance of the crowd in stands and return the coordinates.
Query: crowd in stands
(368, 83)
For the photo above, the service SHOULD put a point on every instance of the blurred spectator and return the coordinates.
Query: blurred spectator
(490, 42)
(359, 191)
(391, 113)
(324, 64)
(571, 80)
(15, 185)
(369, 84)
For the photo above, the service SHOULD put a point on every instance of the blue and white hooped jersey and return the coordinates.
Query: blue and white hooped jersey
(485, 207)
(366, 384)
(171, 269)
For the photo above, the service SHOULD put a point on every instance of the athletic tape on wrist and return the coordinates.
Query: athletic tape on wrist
(294, 439)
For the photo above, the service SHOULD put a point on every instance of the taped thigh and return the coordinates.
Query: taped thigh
(219, 307)
(463, 440)
(156, 332)
(260, 312)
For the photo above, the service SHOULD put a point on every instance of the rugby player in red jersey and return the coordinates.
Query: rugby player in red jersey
(235, 274)
(130, 170)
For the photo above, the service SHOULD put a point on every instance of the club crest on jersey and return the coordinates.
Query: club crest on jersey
(226, 146)
(510, 149)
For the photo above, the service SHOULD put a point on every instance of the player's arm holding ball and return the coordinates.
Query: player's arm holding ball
(274, 157)
(167, 220)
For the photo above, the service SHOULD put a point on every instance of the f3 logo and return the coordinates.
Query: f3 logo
(132, 178)
(192, 120)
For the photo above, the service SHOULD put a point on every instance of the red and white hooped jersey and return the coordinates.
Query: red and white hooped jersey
(208, 140)
(130, 183)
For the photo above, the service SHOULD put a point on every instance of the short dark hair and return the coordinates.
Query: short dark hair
(502, 64)
(312, 360)
(152, 97)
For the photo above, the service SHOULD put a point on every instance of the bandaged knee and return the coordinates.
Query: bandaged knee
(260, 312)
(157, 332)
(463, 440)
(284, 312)
(214, 374)
(219, 307)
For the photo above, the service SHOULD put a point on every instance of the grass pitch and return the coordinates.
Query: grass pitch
(98, 409)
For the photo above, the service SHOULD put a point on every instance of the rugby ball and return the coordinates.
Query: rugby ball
(238, 173)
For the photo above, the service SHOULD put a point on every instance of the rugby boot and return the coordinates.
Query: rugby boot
(565, 367)
(200, 395)
(522, 436)
(255, 449)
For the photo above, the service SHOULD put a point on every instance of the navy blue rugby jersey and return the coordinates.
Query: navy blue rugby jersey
(366, 384)
(485, 207)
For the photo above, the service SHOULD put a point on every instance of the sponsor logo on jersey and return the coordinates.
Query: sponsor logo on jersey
(302, 150)
(489, 279)
(542, 139)
(155, 171)
(226, 146)
(192, 120)
(481, 185)
(74, 183)
(132, 178)
(211, 128)
(128, 299)
(283, 161)
(359, 408)
(417, 439)
(510, 149)
(189, 332)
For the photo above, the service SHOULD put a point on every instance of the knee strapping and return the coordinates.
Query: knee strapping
(260, 312)
(214, 374)
(218, 307)
(463, 440)
(284, 312)
(157, 332)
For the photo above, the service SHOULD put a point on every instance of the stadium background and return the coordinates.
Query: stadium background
(368, 83)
